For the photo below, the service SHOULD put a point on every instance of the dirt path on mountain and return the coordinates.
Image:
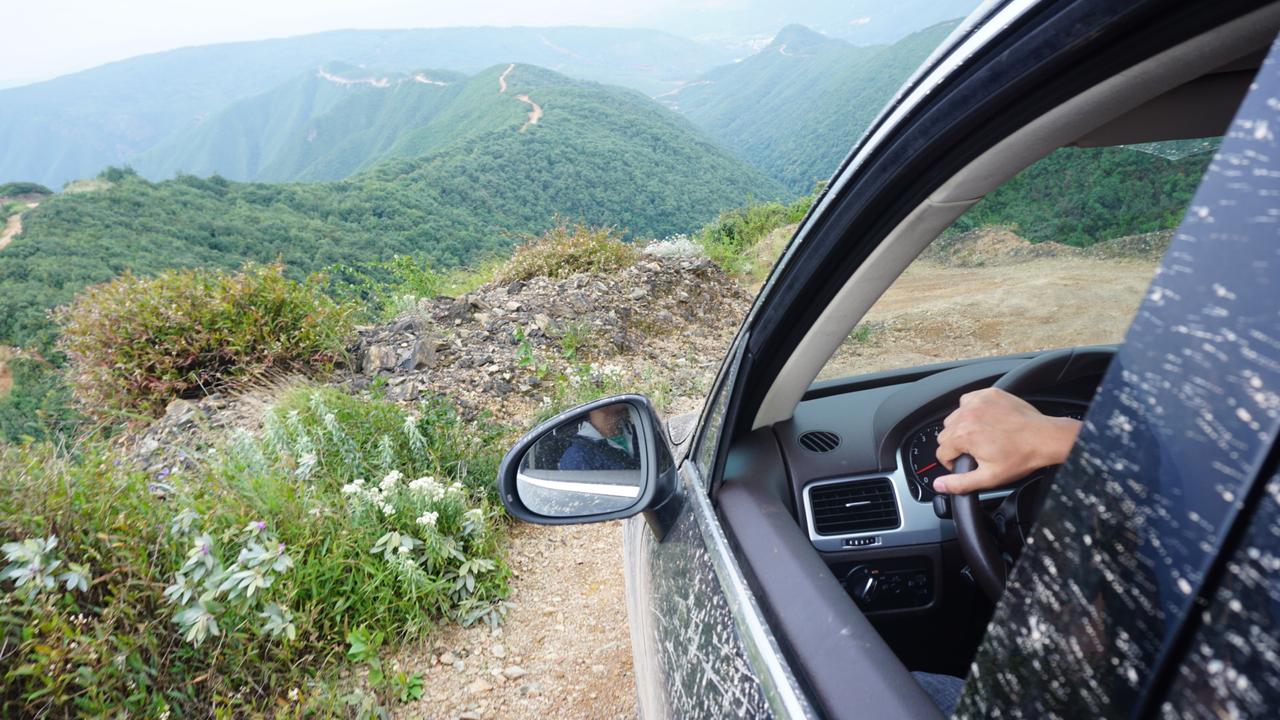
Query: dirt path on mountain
(564, 650)
(935, 312)
(502, 79)
(6, 375)
(11, 229)
(535, 114)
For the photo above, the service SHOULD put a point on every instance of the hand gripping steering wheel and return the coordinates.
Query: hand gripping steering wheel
(977, 541)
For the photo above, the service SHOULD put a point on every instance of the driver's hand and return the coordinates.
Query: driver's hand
(1007, 437)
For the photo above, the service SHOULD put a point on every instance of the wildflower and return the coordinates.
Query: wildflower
(428, 519)
(293, 694)
(388, 509)
(389, 482)
(354, 487)
(428, 487)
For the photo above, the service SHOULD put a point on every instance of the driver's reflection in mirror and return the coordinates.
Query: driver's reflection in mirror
(606, 440)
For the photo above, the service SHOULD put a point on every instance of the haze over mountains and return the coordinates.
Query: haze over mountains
(73, 126)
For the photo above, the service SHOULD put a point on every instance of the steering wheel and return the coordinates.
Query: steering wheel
(977, 541)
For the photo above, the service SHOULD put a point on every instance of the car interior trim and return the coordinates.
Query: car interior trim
(919, 524)
(849, 668)
(1069, 121)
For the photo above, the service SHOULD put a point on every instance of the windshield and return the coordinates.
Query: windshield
(1061, 255)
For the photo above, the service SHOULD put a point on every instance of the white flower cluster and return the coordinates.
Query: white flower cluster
(362, 495)
(428, 519)
(678, 246)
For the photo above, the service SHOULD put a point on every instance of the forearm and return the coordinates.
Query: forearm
(1056, 438)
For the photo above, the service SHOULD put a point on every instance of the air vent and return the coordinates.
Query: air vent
(853, 507)
(819, 441)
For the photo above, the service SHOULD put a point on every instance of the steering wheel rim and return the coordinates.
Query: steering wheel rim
(977, 543)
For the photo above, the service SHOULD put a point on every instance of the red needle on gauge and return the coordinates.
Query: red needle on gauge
(927, 468)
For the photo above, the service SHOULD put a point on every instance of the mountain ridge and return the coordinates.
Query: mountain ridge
(74, 125)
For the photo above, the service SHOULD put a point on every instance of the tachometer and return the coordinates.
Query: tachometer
(922, 461)
(920, 454)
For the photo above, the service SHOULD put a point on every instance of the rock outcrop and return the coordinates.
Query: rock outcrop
(501, 342)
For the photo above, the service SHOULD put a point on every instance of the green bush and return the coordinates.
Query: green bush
(729, 239)
(136, 343)
(382, 289)
(39, 406)
(568, 249)
(233, 589)
(23, 188)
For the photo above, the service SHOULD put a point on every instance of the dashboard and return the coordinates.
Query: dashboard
(860, 456)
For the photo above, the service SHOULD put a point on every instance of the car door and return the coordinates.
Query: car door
(1149, 586)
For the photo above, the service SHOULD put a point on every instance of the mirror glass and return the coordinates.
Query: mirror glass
(590, 465)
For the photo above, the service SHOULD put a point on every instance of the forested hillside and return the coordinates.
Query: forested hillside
(323, 125)
(796, 108)
(1081, 196)
(73, 126)
(603, 155)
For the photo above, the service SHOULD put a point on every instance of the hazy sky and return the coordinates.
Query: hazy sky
(47, 38)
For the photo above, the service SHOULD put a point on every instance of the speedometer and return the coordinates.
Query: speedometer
(922, 461)
(920, 453)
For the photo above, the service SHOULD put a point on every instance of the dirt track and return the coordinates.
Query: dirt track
(11, 230)
(935, 312)
(565, 647)
(535, 113)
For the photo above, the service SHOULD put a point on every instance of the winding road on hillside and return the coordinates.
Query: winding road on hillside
(11, 230)
(535, 111)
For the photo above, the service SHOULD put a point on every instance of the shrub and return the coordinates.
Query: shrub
(23, 188)
(135, 343)
(568, 249)
(729, 239)
(382, 289)
(232, 589)
(39, 404)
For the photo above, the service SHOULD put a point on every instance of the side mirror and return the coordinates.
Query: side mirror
(604, 460)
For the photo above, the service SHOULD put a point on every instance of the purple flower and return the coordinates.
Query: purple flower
(260, 525)
(164, 473)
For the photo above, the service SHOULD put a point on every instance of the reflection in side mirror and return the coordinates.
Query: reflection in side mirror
(589, 465)
(606, 460)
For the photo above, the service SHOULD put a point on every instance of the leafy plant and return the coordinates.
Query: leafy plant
(567, 249)
(255, 567)
(136, 343)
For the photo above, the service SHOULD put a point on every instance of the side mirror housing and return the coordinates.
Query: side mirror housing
(605, 460)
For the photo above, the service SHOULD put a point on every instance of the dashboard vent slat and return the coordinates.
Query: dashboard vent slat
(854, 507)
(819, 441)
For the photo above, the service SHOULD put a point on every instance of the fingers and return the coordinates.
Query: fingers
(965, 483)
(947, 452)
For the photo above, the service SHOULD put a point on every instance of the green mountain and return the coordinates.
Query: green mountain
(73, 126)
(323, 125)
(600, 154)
(795, 108)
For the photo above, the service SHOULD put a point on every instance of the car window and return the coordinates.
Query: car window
(1058, 256)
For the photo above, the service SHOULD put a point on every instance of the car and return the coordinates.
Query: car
(785, 553)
